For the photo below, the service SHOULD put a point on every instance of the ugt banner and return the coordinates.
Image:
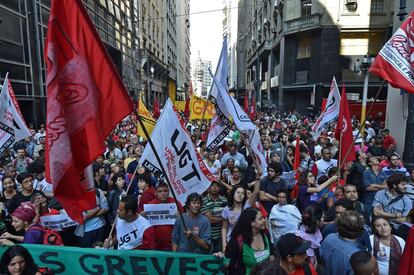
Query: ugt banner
(185, 170)
(76, 260)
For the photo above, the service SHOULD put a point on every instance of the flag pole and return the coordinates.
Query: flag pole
(127, 190)
(162, 169)
(202, 118)
(340, 154)
(365, 119)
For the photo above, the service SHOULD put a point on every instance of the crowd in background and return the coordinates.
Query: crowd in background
(339, 221)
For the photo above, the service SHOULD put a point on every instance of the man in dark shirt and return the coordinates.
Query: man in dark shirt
(270, 185)
(25, 195)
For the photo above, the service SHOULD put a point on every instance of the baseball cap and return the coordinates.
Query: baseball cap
(290, 244)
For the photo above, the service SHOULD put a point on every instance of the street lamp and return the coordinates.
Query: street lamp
(362, 68)
(150, 75)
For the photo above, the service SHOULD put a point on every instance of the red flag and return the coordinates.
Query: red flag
(246, 103)
(406, 262)
(295, 191)
(344, 128)
(156, 112)
(394, 62)
(252, 113)
(324, 101)
(187, 108)
(86, 99)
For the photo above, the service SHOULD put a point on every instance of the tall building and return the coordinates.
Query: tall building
(230, 24)
(292, 49)
(200, 76)
(22, 36)
(140, 36)
(183, 48)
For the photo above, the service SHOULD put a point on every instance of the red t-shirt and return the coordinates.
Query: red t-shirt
(147, 196)
(300, 271)
(163, 233)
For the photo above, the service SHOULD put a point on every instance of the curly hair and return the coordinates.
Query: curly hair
(230, 198)
(311, 218)
(350, 225)
(244, 225)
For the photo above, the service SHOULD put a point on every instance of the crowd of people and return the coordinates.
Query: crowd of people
(353, 219)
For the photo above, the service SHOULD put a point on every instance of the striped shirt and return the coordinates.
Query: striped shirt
(215, 207)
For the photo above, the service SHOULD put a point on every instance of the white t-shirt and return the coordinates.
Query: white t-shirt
(214, 169)
(130, 235)
(383, 256)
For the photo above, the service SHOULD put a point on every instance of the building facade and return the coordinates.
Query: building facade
(183, 48)
(292, 49)
(230, 24)
(200, 76)
(140, 36)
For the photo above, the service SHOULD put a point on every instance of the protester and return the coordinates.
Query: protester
(393, 204)
(292, 250)
(17, 260)
(373, 181)
(133, 231)
(238, 158)
(213, 206)
(248, 244)
(147, 192)
(118, 190)
(337, 249)
(193, 232)
(237, 201)
(322, 166)
(284, 218)
(387, 248)
(26, 181)
(163, 233)
(363, 263)
(310, 193)
(270, 185)
(308, 230)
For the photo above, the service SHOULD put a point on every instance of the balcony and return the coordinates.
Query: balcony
(305, 23)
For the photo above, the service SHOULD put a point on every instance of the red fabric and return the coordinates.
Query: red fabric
(324, 101)
(86, 99)
(300, 271)
(187, 108)
(388, 140)
(156, 111)
(148, 240)
(295, 191)
(163, 233)
(252, 113)
(344, 128)
(393, 62)
(259, 206)
(147, 196)
(406, 262)
(246, 103)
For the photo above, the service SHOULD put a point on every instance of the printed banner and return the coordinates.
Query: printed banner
(185, 169)
(57, 222)
(330, 113)
(146, 118)
(160, 214)
(197, 107)
(76, 260)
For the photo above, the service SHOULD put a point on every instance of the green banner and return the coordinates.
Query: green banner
(75, 260)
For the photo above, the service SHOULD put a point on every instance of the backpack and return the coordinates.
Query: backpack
(50, 236)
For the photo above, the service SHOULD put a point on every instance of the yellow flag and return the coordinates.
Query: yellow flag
(197, 106)
(147, 119)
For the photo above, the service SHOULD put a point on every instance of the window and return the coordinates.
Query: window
(306, 7)
(304, 47)
(377, 6)
(361, 43)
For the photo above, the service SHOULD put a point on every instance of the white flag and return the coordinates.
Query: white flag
(183, 164)
(12, 125)
(330, 113)
(228, 109)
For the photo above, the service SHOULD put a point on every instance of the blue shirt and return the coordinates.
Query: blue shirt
(369, 178)
(336, 252)
(390, 204)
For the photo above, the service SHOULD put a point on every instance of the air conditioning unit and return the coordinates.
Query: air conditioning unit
(351, 2)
